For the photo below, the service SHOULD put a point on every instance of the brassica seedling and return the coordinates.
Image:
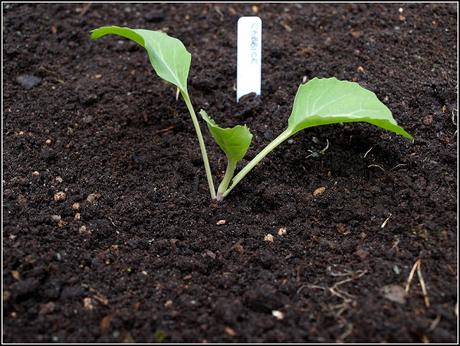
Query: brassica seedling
(171, 61)
(321, 101)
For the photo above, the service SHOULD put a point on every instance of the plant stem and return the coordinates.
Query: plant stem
(231, 166)
(204, 154)
(277, 141)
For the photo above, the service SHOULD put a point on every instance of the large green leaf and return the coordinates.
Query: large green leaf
(329, 101)
(168, 56)
(233, 141)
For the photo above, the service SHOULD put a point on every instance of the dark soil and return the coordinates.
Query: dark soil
(144, 257)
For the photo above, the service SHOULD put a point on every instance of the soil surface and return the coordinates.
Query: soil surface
(108, 231)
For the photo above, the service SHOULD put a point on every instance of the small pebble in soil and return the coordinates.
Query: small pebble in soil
(395, 293)
(361, 253)
(209, 253)
(268, 238)
(282, 231)
(221, 222)
(15, 274)
(56, 218)
(342, 229)
(87, 119)
(28, 81)
(104, 324)
(59, 179)
(360, 69)
(428, 120)
(319, 191)
(168, 303)
(238, 248)
(47, 308)
(35, 173)
(356, 34)
(278, 314)
(59, 196)
(22, 200)
(48, 141)
(77, 216)
(6, 296)
(230, 331)
(93, 197)
(88, 303)
(76, 206)
(84, 230)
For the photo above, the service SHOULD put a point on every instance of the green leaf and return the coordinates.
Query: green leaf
(168, 56)
(329, 101)
(233, 141)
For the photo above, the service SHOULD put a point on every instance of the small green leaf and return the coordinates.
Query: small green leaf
(168, 56)
(233, 141)
(329, 101)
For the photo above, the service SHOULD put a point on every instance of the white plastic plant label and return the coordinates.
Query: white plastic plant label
(249, 56)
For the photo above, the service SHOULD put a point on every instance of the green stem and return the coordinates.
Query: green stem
(259, 157)
(231, 166)
(204, 154)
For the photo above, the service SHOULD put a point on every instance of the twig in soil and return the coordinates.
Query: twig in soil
(417, 267)
(395, 246)
(99, 296)
(453, 121)
(85, 9)
(335, 291)
(435, 323)
(411, 275)
(322, 151)
(177, 94)
(217, 9)
(425, 339)
(56, 75)
(398, 165)
(315, 153)
(385, 222)
(347, 297)
(345, 334)
(378, 166)
(169, 128)
(286, 26)
(367, 152)
(332, 273)
(426, 298)
(111, 221)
